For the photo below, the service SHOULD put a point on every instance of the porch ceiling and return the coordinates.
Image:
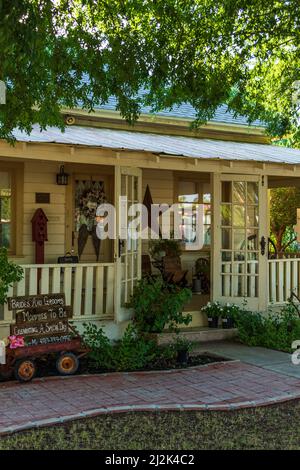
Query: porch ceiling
(189, 147)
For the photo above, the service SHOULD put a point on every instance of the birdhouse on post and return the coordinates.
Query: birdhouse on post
(39, 234)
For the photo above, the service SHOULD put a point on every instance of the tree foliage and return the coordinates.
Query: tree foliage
(283, 216)
(205, 52)
(9, 273)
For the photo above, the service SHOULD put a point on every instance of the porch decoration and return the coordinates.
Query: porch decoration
(148, 201)
(88, 196)
(39, 234)
(16, 342)
(62, 177)
(201, 281)
(41, 328)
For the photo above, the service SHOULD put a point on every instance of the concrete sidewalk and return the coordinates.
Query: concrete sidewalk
(275, 361)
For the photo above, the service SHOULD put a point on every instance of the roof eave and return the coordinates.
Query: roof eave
(171, 121)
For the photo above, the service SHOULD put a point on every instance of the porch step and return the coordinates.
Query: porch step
(198, 335)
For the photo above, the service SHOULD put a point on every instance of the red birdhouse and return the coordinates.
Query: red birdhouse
(39, 234)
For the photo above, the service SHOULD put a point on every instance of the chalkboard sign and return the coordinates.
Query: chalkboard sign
(46, 340)
(41, 319)
(43, 314)
(36, 301)
(40, 329)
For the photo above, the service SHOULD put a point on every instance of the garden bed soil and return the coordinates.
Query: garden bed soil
(46, 367)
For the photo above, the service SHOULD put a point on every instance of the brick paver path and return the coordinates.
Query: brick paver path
(214, 387)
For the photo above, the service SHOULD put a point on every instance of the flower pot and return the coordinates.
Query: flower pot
(213, 322)
(182, 357)
(196, 286)
(227, 323)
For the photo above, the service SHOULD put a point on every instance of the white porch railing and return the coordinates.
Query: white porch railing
(88, 288)
(284, 277)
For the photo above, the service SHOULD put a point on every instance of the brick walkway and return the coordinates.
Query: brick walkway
(219, 386)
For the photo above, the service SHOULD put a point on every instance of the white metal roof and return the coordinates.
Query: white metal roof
(163, 144)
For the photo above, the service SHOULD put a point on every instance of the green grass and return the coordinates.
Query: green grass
(273, 427)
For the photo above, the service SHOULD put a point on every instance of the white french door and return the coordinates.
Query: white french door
(128, 248)
(240, 240)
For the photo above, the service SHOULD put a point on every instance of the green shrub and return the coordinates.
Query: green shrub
(9, 273)
(131, 352)
(250, 327)
(157, 304)
(273, 330)
(101, 349)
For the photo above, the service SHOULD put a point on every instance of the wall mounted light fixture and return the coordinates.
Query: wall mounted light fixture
(62, 177)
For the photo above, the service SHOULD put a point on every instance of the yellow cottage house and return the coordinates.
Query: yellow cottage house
(226, 165)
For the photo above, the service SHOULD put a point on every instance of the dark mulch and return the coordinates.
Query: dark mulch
(46, 367)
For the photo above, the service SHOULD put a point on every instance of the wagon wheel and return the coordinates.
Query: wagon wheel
(25, 370)
(67, 364)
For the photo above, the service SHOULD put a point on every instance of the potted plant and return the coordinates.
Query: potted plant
(213, 312)
(228, 315)
(182, 347)
(157, 304)
(165, 247)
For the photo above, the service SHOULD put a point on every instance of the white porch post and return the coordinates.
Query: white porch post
(215, 261)
(264, 230)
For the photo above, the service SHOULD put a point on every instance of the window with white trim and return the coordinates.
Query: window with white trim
(190, 195)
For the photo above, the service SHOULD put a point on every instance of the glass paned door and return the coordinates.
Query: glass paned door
(240, 224)
(128, 242)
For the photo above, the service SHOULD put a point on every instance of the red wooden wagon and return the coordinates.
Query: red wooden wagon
(22, 361)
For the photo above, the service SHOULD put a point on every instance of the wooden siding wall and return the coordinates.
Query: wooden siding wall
(41, 177)
(160, 184)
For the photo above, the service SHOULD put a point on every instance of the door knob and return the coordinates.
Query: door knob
(263, 245)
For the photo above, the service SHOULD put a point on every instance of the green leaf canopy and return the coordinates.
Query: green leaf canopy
(205, 52)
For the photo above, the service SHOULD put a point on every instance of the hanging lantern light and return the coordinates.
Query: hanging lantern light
(62, 177)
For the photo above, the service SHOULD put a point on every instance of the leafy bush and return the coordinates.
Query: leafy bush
(101, 352)
(9, 273)
(274, 330)
(132, 352)
(157, 304)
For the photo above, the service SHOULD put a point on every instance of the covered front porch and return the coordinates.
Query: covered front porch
(235, 224)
